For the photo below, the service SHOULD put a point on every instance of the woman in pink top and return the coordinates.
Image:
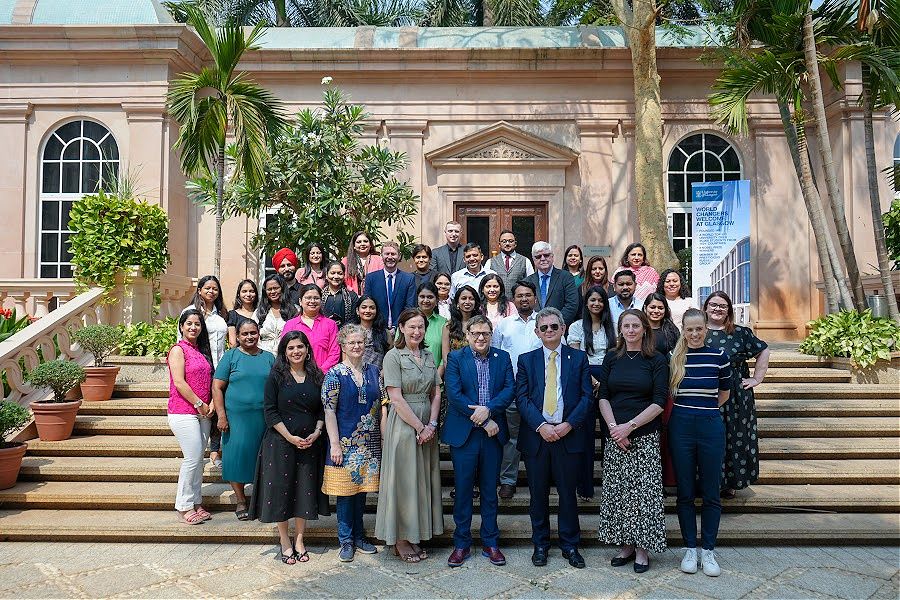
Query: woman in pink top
(190, 381)
(645, 276)
(360, 261)
(321, 331)
(314, 266)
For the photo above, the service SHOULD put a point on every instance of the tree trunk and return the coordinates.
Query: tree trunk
(281, 19)
(824, 143)
(639, 21)
(487, 13)
(813, 209)
(220, 195)
(884, 264)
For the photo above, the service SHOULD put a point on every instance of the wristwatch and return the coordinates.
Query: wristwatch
(433, 424)
(197, 404)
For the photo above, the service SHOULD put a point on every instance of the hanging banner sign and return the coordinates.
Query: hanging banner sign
(720, 247)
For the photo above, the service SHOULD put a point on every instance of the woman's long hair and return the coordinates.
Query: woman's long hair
(667, 327)
(660, 286)
(288, 310)
(218, 304)
(281, 370)
(679, 354)
(307, 269)
(587, 321)
(456, 325)
(352, 258)
(647, 347)
(588, 283)
(203, 339)
(502, 300)
(238, 303)
(379, 325)
(565, 265)
(729, 320)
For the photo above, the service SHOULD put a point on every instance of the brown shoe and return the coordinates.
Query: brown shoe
(458, 557)
(494, 555)
(507, 491)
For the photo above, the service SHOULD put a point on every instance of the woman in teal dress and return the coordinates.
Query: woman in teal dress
(238, 387)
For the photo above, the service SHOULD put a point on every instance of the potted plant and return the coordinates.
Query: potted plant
(12, 417)
(100, 341)
(55, 418)
(857, 342)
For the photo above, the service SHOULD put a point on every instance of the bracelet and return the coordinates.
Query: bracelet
(612, 424)
(433, 423)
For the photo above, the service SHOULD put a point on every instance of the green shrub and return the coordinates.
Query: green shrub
(10, 325)
(12, 418)
(99, 340)
(857, 335)
(891, 221)
(59, 375)
(112, 235)
(149, 339)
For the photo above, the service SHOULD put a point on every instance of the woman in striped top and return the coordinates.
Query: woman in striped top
(700, 381)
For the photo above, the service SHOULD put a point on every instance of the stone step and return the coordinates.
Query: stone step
(106, 468)
(792, 359)
(769, 448)
(162, 526)
(219, 496)
(768, 407)
(126, 425)
(806, 374)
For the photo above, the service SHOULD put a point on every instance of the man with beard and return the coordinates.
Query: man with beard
(624, 298)
(285, 262)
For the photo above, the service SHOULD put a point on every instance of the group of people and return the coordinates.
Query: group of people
(341, 378)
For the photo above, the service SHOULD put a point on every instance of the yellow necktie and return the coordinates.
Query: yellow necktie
(550, 386)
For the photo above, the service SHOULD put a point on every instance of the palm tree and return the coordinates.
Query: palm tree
(302, 13)
(218, 100)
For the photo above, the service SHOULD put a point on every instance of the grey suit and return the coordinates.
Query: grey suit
(440, 260)
(562, 293)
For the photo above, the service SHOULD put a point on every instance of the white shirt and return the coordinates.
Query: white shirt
(557, 417)
(270, 332)
(464, 277)
(216, 329)
(516, 335)
(576, 334)
(390, 317)
(678, 307)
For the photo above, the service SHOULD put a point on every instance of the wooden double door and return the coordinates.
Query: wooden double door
(482, 222)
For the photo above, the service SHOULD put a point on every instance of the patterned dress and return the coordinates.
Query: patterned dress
(741, 467)
(646, 279)
(357, 411)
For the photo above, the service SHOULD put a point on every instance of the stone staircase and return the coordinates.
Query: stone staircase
(830, 473)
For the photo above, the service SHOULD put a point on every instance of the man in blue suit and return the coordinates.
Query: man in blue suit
(553, 390)
(480, 387)
(392, 289)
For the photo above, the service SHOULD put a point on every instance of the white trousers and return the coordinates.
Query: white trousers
(192, 432)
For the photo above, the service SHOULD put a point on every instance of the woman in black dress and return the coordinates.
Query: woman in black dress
(290, 466)
(665, 332)
(246, 301)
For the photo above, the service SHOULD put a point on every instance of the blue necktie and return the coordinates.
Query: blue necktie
(390, 295)
(544, 281)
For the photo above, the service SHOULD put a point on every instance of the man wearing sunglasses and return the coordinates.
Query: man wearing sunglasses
(553, 391)
(479, 385)
(556, 287)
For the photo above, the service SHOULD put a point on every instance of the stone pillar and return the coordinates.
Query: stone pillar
(595, 165)
(408, 135)
(14, 120)
(133, 302)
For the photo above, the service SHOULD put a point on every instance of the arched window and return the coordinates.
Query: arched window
(696, 158)
(897, 167)
(78, 158)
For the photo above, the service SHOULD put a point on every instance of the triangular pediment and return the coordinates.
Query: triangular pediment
(502, 145)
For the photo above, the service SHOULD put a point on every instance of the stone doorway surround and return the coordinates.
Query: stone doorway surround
(503, 165)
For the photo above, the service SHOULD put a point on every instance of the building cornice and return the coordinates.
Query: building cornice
(17, 112)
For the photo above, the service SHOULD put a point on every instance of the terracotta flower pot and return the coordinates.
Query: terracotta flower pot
(55, 420)
(99, 383)
(74, 393)
(10, 463)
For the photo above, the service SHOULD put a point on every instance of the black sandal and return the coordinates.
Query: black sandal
(301, 557)
(289, 559)
(242, 515)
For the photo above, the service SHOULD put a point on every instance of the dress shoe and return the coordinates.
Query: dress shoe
(494, 555)
(539, 558)
(639, 568)
(507, 491)
(621, 561)
(459, 556)
(575, 559)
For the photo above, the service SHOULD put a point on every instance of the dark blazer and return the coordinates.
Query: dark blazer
(440, 260)
(576, 395)
(461, 385)
(404, 292)
(562, 293)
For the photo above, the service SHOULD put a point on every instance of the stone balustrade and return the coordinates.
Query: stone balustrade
(35, 297)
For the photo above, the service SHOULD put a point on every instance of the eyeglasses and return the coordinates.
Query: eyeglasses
(544, 255)
(550, 326)
(509, 241)
(355, 343)
(718, 306)
(478, 335)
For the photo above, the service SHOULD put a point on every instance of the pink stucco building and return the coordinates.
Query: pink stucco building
(531, 128)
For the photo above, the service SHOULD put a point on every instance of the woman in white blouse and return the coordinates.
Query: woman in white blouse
(273, 312)
(672, 286)
(593, 333)
(208, 300)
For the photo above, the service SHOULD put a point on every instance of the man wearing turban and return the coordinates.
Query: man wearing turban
(285, 262)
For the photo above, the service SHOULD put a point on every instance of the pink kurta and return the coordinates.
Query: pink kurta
(375, 264)
(323, 337)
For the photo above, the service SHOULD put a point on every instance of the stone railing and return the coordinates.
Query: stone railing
(50, 334)
(35, 297)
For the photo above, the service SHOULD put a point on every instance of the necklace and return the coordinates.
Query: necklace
(628, 354)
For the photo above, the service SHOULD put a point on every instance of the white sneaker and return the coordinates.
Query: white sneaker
(710, 566)
(689, 562)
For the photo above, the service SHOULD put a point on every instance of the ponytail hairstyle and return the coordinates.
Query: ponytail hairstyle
(679, 354)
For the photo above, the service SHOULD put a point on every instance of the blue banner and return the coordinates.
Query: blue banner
(720, 247)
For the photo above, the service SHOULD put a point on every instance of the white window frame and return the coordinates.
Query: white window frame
(897, 167)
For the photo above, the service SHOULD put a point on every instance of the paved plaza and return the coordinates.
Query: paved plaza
(60, 570)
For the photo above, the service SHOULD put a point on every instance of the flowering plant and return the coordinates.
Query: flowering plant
(10, 325)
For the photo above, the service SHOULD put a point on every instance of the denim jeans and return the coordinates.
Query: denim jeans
(350, 517)
(697, 444)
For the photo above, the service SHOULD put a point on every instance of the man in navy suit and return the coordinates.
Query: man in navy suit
(480, 387)
(555, 287)
(392, 289)
(553, 390)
